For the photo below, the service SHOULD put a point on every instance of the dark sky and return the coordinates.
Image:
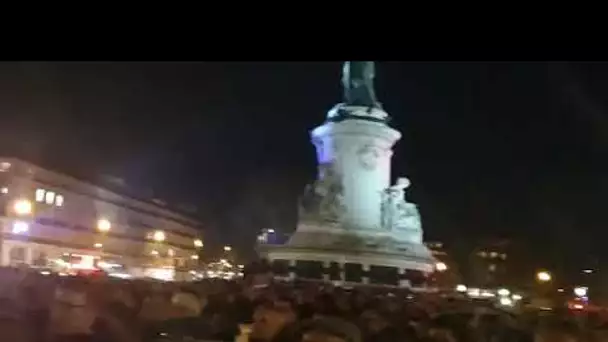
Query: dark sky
(496, 149)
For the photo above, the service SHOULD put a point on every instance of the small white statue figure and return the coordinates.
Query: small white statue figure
(399, 216)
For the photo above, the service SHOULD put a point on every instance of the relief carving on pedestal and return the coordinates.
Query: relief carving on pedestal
(400, 217)
(323, 200)
(369, 156)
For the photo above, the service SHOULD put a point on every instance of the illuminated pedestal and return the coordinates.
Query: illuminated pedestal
(354, 226)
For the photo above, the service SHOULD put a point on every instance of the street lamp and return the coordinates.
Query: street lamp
(543, 276)
(22, 207)
(159, 236)
(103, 225)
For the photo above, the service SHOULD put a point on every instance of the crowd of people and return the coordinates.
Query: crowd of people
(49, 308)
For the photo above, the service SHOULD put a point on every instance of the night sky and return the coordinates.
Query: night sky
(493, 149)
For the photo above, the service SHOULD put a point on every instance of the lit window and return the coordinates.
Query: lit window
(59, 201)
(20, 227)
(49, 197)
(40, 195)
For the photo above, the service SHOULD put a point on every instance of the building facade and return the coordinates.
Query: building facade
(48, 218)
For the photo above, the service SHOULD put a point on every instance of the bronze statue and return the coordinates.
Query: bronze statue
(358, 84)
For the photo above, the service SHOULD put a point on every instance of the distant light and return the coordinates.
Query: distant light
(271, 231)
(98, 245)
(159, 236)
(487, 294)
(560, 290)
(104, 225)
(543, 276)
(241, 266)
(45, 272)
(4, 190)
(588, 271)
(170, 252)
(516, 297)
(194, 257)
(40, 195)
(461, 288)
(198, 243)
(49, 197)
(154, 252)
(20, 227)
(474, 292)
(227, 248)
(223, 261)
(440, 266)
(578, 306)
(506, 301)
(580, 291)
(23, 207)
(503, 292)
(59, 201)
(120, 275)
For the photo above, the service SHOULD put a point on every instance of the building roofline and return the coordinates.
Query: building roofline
(171, 213)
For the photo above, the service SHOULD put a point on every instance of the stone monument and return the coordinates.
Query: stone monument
(354, 226)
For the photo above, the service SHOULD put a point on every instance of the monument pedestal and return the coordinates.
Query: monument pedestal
(337, 255)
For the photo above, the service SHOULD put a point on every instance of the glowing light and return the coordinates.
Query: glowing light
(487, 294)
(506, 301)
(49, 197)
(461, 288)
(40, 195)
(474, 292)
(170, 252)
(578, 306)
(543, 276)
(154, 252)
(194, 257)
(98, 245)
(23, 207)
(198, 243)
(20, 227)
(503, 292)
(560, 290)
(580, 291)
(227, 248)
(59, 200)
(588, 271)
(440, 266)
(45, 272)
(120, 275)
(241, 266)
(159, 236)
(165, 274)
(516, 297)
(4, 190)
(271, 231)
(104, 225)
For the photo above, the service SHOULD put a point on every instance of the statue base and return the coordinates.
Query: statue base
(343, 256)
